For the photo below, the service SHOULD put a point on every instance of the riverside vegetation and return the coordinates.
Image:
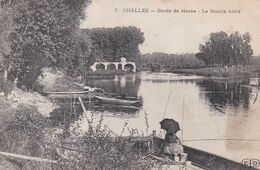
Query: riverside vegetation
(222, 55)
(189, 64)
(37, 134)
(33, 36)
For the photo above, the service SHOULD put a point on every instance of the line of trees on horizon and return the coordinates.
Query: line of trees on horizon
(158, 61)
(222, 49)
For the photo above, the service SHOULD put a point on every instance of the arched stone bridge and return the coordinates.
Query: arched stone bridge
(122, 65)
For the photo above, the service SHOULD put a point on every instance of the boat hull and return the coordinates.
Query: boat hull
(206, 160)
(115, 101)
(69, 95)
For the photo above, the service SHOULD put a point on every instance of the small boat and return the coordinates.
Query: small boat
(66, 95)
(112, 100)
(87, 90)
(115, 108)
(102, 92)
(122, 96)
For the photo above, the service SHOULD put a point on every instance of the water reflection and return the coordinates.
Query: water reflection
(125, 84)
(224, 93)
(218, 94)
(194, 100)
(70, 109)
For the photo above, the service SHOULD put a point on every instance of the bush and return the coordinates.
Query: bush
(6, 87)
(99, 149)
(22, 132)
(25, 131)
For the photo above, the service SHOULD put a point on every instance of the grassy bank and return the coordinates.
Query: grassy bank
(27, 130)
(239, 71)
(23, 122)
(56, 81)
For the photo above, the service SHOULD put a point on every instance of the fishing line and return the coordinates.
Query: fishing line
(167, 104)
(256, 96)
(256, 92)
(182, 119)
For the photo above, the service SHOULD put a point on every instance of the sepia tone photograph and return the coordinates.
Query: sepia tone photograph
(129, 84)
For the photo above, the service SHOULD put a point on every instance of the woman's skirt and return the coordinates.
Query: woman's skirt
(173, 148)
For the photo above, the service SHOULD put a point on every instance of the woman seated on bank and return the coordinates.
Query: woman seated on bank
(172, 145)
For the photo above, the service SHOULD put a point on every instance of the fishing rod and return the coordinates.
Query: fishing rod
(256, 91)
(225, 139)
(182, 118)
(167, 104)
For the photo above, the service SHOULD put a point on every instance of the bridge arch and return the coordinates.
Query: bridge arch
(100, 66)
(111, 66)
(129, 67)
(120, 67)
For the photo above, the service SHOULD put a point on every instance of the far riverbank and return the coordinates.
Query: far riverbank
(234, 71)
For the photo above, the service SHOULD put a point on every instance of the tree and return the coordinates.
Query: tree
(6, 27)
(44, 35)
(110, 44)
(158, 60)
(226, 50)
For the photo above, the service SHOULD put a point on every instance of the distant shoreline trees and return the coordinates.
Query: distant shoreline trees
(222, 49)
(110, 44)
(158, 61)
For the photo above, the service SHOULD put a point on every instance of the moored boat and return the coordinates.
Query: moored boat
(116, 109)
(66, 95)
(112, 100)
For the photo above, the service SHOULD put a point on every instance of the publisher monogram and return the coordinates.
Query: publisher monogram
(251, 162)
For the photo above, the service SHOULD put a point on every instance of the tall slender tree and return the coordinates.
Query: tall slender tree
(6, 27)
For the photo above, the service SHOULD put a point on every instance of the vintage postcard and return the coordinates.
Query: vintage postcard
(129, 84)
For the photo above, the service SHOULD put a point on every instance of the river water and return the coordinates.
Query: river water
(220, 116)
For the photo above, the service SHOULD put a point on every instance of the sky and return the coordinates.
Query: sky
(177, 32)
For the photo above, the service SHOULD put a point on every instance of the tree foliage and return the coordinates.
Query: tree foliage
(110, 44)
(5, 29)
(226, 50)
(44, 35)
(158, 60)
